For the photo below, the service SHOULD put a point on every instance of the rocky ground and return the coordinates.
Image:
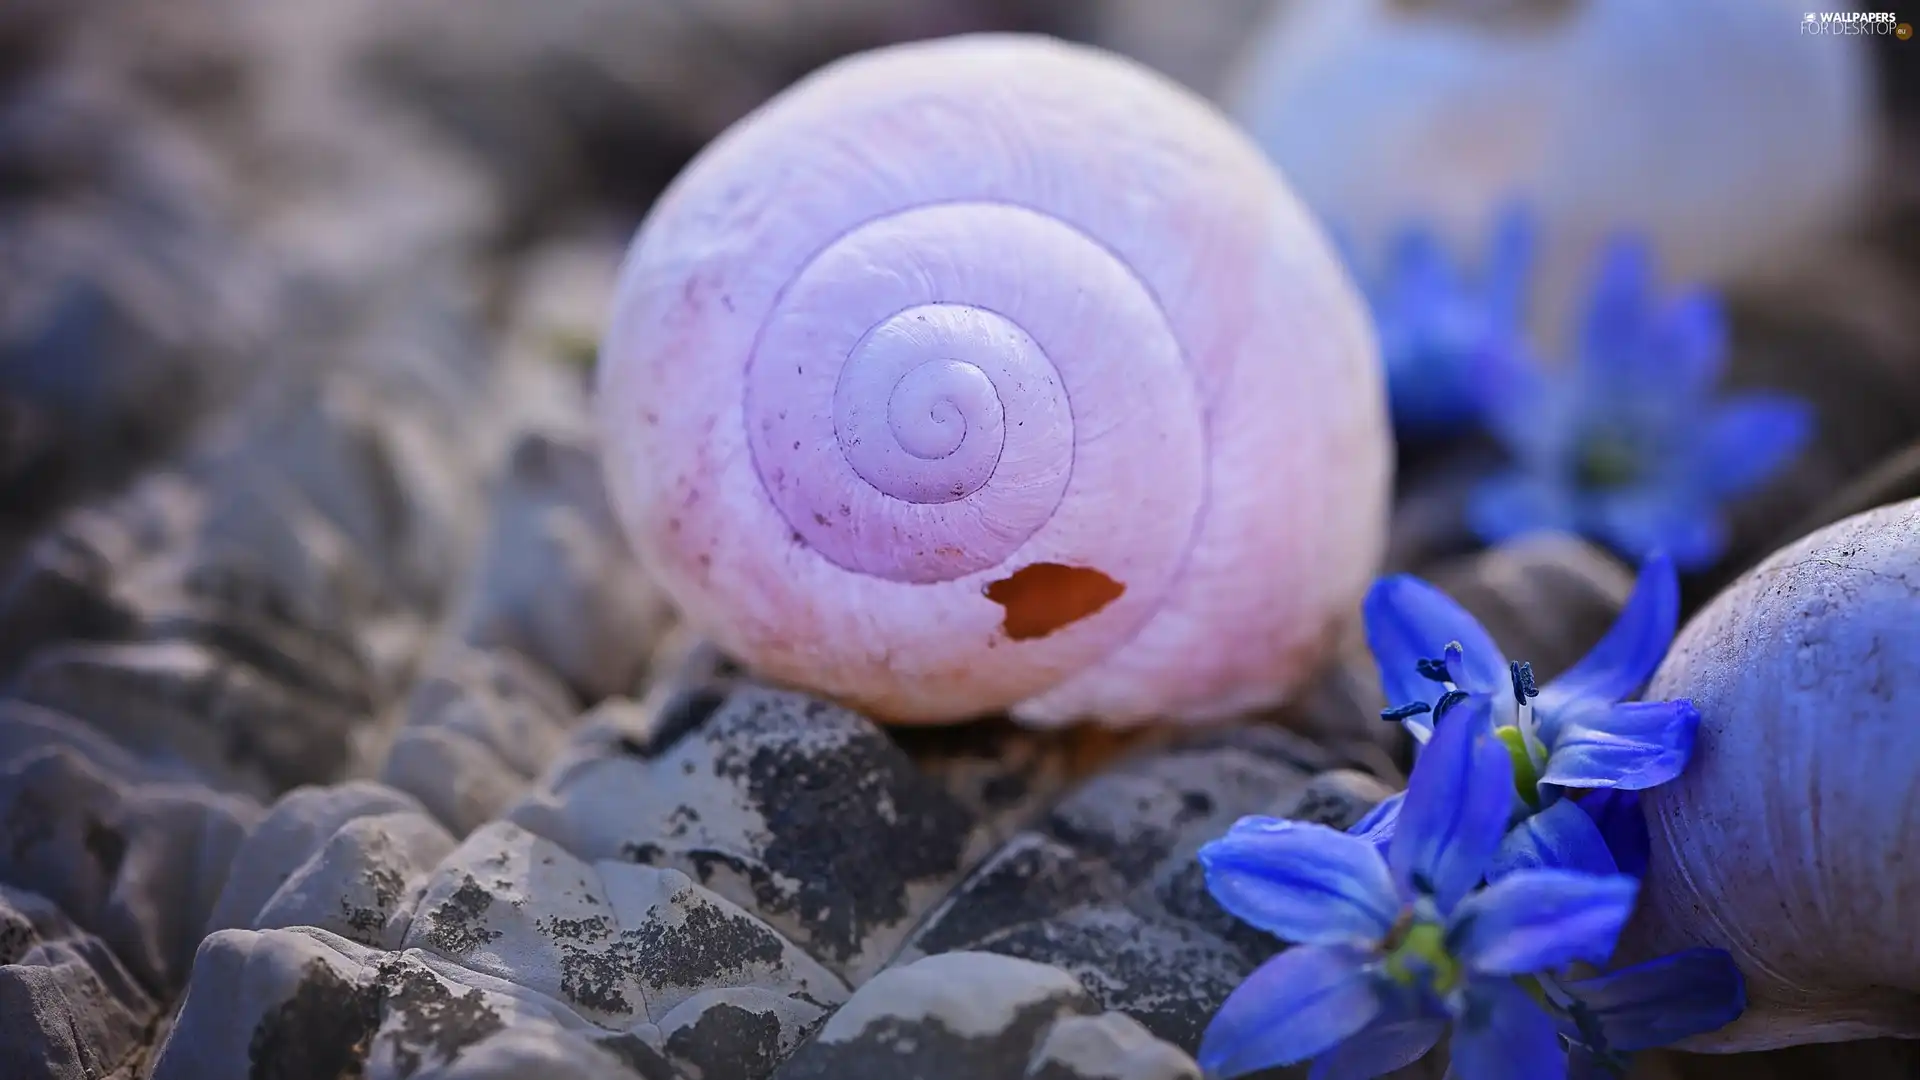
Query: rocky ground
(339, 735)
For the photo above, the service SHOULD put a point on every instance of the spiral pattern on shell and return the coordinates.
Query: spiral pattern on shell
(996, 373)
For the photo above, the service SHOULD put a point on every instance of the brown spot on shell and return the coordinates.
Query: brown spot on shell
(1044, 597)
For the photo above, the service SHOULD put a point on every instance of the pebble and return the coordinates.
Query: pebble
(350, 859)
(68, 1009)
(1111, 1046)
(138, 863)
(479, 726)
(1106, 885)
(555, 580)
(964, 1015)
(801, 812)
(621, 944)
(303, 1004)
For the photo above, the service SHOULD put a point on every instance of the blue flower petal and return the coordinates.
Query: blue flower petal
(1616, 812)
(1503, 1035)
(1301, 882)
(1298, 1005)
(1664, 1000)
(1409, 621)
(1747, 439)
(1517, 503)
(1457, 804)
(1634, 745)
(1613, 336)
(1633, 647)
(1692, 337)
(1677, 521)
(1509, 262)
(1377, 827)
(1379, 1048)
(1541, 920)
(1561, 837)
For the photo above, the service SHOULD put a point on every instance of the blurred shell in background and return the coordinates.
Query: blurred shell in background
(1717, 126)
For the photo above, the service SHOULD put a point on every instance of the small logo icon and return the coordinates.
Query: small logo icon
(1904, 31)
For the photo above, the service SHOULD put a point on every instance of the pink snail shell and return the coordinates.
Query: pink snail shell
(995, 373)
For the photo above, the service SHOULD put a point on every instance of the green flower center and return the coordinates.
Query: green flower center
(1526, 778)
(1607, 462)
(1417, 952)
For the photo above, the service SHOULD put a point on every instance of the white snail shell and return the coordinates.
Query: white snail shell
(997, 373)
(1793, 838)
(1716, 127)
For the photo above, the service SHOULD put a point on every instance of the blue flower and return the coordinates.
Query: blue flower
(1656, 1003)
(1648, 1005)
(1577, 732)
(1606, 1017)
(1435, 323)
(1627, 444)
(1393, 947)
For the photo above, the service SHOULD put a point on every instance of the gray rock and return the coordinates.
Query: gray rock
(958, 1016)
(736, 1033)
(305, 1003)
(370, 467)
(64, 587)
(1339, 799)
(799, 811)
(1111, 1046)
(621, 944)
(480, 725)
(28, 729)
(1107, 885)
(293, 844)
(461, 782)
(555, 580)
(68, 1009)
(128, 287)
(227, 602)
(364, 883)
(242, 729)
(139, 864)
(282, 538)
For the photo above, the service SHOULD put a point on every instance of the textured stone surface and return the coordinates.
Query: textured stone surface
(350, 859)
(962, 1015)
(801, 812)
(137, 863)
(555, 580)
(68, 1009)
(945, 1017)
(479, 726)
(298, 1004)
(133, 301)
(620, 944)
(241, 729)
(1106, 885)
(1111, 1046)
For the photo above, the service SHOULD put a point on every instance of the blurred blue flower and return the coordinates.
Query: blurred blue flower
(1577, 732)
(1394, 947)
(1435, 321)
(1627, 445)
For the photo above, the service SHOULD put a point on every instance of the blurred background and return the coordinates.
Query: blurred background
(206, 199)
(202, 198)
